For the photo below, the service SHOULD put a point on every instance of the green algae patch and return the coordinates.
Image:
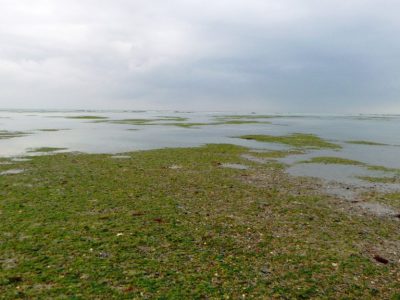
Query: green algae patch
(49, 129)
(391, 199)
(277, 153)
(4, 134)
(179, 122)
(231, 122)
(244, 117)
(334, 160)
(252, 117)
(298, 140)
(346, 161)
(187, 125)
(87, 117)
(133, 121)
(172, 118)
(368, 143)
(143, 121)
(228, 122)
(382, 168)
(373, 118)
(52, 129)
(86, 226)
(46, 149)
(238, 122)
(385, 179)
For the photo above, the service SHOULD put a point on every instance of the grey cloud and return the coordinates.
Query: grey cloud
(300, 56)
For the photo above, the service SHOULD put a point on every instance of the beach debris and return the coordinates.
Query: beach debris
(381, 259)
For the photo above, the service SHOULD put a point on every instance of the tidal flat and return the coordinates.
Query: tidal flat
(90, 226)
(203, 219)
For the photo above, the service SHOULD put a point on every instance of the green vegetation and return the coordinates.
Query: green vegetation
(178, 121)
(78, 226)
(46, 149)
(235, 122)
(171, 118)
(232, 122)
(133, 121)
(376, 118)
(277, 153)
(87, 117)
(393, 179)
(4, 134)
(334, 160)
(188, 125)
(345, 161)
(391, 199)
(51, 129)
(235, 117)
(228, 117)
(382, 168)
(142, 121)
(366, 143)
(4, 160)
(298, 140)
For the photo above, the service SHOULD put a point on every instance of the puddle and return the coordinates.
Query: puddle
(342, 191)
(235, 166)
(377, 209)
(12, 172)
(341, 180)
(344, 174)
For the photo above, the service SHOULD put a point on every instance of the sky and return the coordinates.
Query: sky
(317, 56)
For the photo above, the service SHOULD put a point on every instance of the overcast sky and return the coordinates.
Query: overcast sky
(254, 55)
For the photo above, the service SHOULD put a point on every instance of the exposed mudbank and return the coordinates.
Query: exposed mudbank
(298, 140)
(341, 178)
(5, 134)
(87, 117)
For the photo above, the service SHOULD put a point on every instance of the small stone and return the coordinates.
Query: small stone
(104, 254)
(265, 270)
(175, 167)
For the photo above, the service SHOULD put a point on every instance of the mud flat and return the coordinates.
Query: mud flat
(177, 223)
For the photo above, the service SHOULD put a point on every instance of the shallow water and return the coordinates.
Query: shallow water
(11, 172)
(92, 136)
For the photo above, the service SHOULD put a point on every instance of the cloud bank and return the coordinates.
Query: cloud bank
(260, 55)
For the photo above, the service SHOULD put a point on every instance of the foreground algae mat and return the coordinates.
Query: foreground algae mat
(175, 224)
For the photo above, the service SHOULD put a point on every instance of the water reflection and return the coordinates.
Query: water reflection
(57, 129)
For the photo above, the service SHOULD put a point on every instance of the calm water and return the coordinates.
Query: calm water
(97, 137)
